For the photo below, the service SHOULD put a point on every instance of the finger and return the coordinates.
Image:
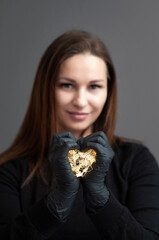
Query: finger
(65, 146)
(107, 152)
(67, 143)
(64, 135)
(65, 139)
(96, 139)
(72, 145)
(96, 146)
(97, 134)
(80, 142)
(99, 140)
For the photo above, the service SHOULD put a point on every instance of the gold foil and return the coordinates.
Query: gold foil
(81, 162)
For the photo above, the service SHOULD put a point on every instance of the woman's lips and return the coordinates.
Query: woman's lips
(78, 116)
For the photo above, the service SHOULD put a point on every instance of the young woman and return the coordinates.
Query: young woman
(73, 105)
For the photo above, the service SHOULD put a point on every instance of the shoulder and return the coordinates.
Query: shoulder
(135, 157)
(132, 148)
(12, 172)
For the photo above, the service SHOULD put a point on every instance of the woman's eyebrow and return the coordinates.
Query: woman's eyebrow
(97, 81)
(72, 80)
(67, 79)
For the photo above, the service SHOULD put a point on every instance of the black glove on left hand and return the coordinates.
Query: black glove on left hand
(95, 190)
(61, 198)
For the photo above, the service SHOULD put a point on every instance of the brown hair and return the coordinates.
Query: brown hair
(34, 137)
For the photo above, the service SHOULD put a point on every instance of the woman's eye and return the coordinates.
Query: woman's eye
(94, 86)
(66, 85)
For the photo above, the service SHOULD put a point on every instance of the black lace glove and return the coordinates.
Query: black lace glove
(95, 191)
(62, 196)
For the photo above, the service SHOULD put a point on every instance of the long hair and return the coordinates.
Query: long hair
(34, 137)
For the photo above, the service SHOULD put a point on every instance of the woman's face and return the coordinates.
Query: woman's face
(80, 93)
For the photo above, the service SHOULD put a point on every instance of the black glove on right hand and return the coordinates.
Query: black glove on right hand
(62, 196)
(95, 190)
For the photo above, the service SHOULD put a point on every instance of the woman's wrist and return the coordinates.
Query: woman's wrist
(96, 200)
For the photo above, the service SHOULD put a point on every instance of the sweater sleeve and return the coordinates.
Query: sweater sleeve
(138, 219)
(35, 223)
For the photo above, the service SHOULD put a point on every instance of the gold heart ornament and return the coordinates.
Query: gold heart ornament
(81, 162)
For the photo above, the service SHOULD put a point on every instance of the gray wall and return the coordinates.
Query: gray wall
(129, 28)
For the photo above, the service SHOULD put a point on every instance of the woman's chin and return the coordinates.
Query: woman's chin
(81, 132)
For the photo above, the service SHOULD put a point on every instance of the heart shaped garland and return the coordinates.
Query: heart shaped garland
(81, 162)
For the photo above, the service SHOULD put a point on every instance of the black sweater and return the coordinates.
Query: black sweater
(131, 213)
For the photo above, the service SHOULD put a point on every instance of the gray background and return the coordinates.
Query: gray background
(130, 30)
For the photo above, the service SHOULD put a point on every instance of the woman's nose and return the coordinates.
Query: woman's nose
(80, 99)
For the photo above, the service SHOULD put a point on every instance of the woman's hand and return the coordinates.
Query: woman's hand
(62, 196)
(95, 190)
